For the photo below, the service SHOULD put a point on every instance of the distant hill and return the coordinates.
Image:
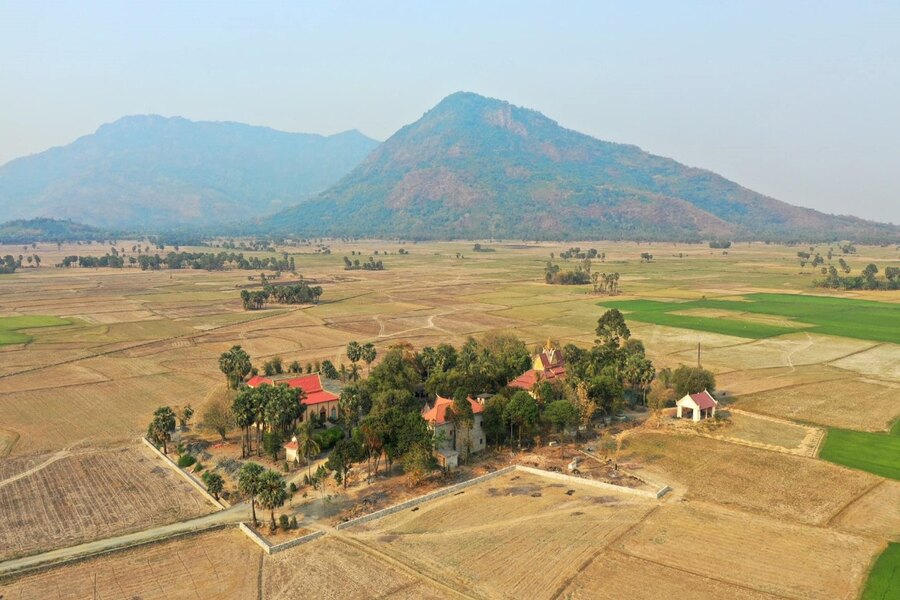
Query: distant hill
(49, 230)
(153, 172)
(475, 167)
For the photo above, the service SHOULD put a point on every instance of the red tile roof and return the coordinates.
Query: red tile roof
(310, 384)
(526, 380)
(437, 414)
(292, 445)
(704, 399)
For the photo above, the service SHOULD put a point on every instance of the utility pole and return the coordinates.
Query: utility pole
(698, 355)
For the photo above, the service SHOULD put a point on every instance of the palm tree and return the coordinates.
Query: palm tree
(272, 493)
(368, 354)
(162, 426)
(214, 483)
(235, 364)
(249, 484)
(354, 351)
(307, 445)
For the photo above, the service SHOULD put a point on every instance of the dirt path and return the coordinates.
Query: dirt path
(236, 513)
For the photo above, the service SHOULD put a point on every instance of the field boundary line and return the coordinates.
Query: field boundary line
(424, 498)
(702, 576)
(187, 476)
(608, 546)
(275, 548)
(415, 574)
(853, 501)
(87, 555)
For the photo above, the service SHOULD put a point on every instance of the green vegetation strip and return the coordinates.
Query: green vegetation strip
(10, 327)
(884, 578)
(877, 453)
(859, 319)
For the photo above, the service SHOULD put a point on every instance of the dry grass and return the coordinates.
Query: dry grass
(779, 485)
(330, 568)
(542, 533)
(89, 495)
(115, 410)
(876, 513)
(220, 564)
(770, 433)
(613, 575)
(755, 552)
(852, 403)
(882, 361)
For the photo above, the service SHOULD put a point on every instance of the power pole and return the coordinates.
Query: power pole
(698, 355)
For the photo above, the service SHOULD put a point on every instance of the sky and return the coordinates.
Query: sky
(796, 100)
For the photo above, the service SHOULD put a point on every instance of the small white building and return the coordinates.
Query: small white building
(701, 405)
(292, 450)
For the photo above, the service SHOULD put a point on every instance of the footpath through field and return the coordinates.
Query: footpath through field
(238, 512)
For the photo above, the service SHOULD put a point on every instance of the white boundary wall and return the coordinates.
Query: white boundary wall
(190, 478)
(597, 484)
(425, 498)
(274, 548)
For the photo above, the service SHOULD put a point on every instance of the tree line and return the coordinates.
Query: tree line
(297, 293)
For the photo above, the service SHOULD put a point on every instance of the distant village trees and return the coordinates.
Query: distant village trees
(9, 264)
(866, 280)
(369, 265)
(298, 293)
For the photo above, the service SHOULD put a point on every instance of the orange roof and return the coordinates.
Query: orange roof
(526, 380)
(292, 445)
(310, 384)
(437, 414)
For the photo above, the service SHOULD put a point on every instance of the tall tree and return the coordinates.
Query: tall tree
(562, 414)
(249, 484)
(235, 364)
(463, 418)
(368, 354)
(611, 328)
(522, 411)
(214, 483)
(161, 427)
(271, 493)
(354, 351)
(218, 417)
(307, 445)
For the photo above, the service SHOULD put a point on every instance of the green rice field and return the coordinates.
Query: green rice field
(884, 579)
(10, 327)
(859, 319)
(877, 453)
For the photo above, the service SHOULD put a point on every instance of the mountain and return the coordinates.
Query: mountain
(154, 172)
(476, 167)
(48, 230)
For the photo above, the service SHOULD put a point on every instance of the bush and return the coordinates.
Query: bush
(186, 460)
(284, 522)
(328, 438)
(199, 467)
(293, 488)
(294, 524)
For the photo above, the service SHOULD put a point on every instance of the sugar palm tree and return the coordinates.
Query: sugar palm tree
(272, 493)
(307, 445)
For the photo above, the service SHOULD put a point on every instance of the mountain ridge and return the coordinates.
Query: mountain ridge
(154, 171)
(477, 167)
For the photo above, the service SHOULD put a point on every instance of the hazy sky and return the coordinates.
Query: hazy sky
(798, 100)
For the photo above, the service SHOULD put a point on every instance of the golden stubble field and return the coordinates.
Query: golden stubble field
(220, 564)
(72, 496)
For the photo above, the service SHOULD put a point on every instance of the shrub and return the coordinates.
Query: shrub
(186, 460)
(284, 522)
(293, 488)
(198, 467)
(328, 438)
(294, 524)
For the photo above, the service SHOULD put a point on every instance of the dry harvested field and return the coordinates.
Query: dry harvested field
(792, 488)
(759, 553)
(66, 498)
(336, 568)
(543, 529)
(222, 564)
(770, 433)
(876, 513)
(874, 404)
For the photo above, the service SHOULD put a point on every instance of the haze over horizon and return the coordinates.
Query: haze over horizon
(797, 102)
